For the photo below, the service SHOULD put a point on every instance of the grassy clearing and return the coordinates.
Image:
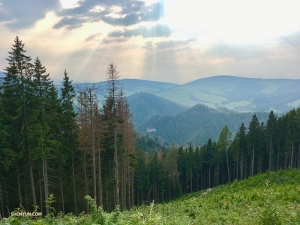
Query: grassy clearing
(270, 198)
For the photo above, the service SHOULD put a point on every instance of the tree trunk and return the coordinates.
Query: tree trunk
(85, 181)
(74, 187)
(32, 182)
(61, 191)
(252, 171)
(292, 155)
(41, 191)
(19, 186)
(228, 166)
(116, 164)
(46, 183)
(242, 166)
(270, 155)
(100, 178)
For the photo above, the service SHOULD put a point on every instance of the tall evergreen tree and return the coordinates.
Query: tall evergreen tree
(68, 128)
(112, 80)
(253, 142)
(224, 143)
(19, 104)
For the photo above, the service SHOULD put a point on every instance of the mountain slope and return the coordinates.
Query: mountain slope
(144, 105)
(238, 93)
(270, 198)
(196, 125)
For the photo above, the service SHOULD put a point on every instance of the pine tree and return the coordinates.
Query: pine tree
(112, 80)
(68, 129)
(224, 143)
(271, 129)
(20, 108)
(253, 142)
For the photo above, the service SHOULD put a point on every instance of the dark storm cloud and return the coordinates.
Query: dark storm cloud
(158, 30)
(173, 44)
(23, 14)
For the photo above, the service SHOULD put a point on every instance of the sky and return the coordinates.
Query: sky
(174, 41)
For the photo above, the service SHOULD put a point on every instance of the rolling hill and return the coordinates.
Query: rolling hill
(238, 93)
(196, 125)
(144, 105)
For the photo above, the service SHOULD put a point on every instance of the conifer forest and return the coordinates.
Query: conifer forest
(49, 149)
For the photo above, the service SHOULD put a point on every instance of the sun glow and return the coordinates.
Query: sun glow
(233, 20)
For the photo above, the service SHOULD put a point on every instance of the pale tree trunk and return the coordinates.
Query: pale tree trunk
(252, 171)
(292, 155)
(228, 166)
(85, 181)
(41, 190)
(61, 191)
(46, 183)
(242, 166)
(298, 157)
(19, 187)
(74, 187)
(191, 180)
(116, 164)
(237, 166)
(270, 154)
(100, 180)
(32, 182)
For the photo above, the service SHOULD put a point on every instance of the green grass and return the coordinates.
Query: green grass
(270, 198)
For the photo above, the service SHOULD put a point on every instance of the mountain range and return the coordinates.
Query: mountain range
(197, 110)
(236, 93)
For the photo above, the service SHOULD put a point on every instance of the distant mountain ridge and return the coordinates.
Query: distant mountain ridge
(196, 125)
(144, 105)
(238, 93)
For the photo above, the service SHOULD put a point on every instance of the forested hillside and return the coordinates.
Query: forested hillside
(144, 105)
(196, 124)
(238, 93)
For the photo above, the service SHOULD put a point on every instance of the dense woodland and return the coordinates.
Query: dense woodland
(46, 148)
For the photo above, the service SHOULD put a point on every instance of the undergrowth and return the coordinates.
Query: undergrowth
(270, 198)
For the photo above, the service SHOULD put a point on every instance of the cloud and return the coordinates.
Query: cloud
(92, 37)
(131, 12)
(238, 52)
(150, 13)
(128, 20)
(69, 23)
(114, 40)
(148, 45)
(23, 14)
(158, 30)
(173, 44)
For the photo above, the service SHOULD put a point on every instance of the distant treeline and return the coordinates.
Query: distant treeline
(253, 150)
